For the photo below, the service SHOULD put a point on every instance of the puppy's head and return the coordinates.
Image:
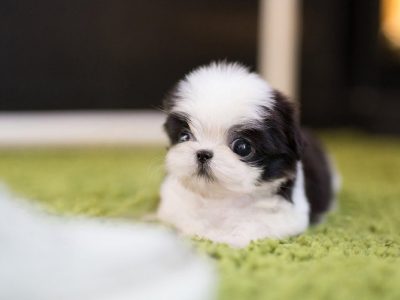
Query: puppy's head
(229, 132)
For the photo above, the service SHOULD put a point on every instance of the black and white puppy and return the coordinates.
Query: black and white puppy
(239, 167)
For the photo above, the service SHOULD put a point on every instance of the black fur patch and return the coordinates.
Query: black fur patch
(174, 125)
(317, 177)
(269, 153)
(283, 124)
(276, 141)
(286, 190)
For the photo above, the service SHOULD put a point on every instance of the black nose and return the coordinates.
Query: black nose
(203, 156)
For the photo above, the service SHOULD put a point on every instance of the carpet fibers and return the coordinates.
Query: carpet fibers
(355, 254)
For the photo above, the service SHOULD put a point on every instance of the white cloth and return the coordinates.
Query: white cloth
(44, 257)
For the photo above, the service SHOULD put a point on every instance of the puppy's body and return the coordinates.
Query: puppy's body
(239, 167)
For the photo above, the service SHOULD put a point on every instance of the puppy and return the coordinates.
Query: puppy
(239, 167)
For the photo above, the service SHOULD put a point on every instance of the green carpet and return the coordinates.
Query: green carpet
(354, 255)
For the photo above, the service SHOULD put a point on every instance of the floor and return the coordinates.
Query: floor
(355, 254)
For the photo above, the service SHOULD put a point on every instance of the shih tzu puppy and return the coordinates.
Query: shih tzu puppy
(239, 167)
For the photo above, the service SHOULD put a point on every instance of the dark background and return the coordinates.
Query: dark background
(77, 54)
(124, 54)
(349, 75)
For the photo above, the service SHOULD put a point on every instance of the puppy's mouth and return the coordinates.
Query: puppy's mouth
(204, 171)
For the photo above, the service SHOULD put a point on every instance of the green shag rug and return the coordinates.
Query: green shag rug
(355, 254)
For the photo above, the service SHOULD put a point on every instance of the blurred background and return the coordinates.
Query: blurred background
(102, 66)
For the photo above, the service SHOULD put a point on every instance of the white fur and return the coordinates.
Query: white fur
(219, 95)
(215, 98)
(232, 175)
(235, 220)
(233, 208)
(47, 258)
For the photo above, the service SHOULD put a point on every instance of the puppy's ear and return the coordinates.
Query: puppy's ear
(286, 117)
(175, 122)
(174, 125)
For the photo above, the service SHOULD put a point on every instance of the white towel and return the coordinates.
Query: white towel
(44, 257)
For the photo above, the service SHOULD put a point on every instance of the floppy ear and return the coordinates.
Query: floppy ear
(175, 122)
(286, 117)
(173, 126)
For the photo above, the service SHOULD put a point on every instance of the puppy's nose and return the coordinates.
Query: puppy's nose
(204, 155)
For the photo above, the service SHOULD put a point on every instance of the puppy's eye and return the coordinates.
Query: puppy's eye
(242, 147)
(184, 136)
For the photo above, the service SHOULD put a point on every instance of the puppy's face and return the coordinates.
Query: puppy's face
(229, 132)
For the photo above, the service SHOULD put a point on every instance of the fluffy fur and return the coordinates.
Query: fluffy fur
(44, 257)
(272, 192)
